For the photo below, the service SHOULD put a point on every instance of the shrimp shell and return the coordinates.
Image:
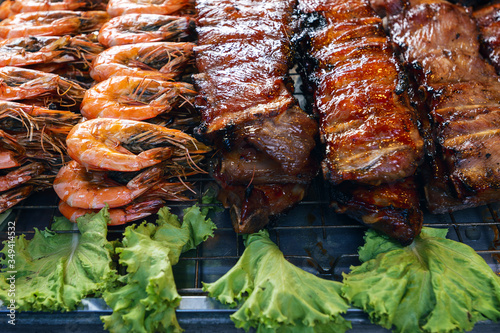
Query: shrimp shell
(163, 7)
(21, 175)
(107, 144)
(134, 98)
(121, 215)
(21, 83)
(82, 188)
(11, 152)
(52, 23)
(141, 28)
(160, 60)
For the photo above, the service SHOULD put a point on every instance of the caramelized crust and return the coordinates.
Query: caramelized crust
(366, 122)
(462, 93)
(248, 109)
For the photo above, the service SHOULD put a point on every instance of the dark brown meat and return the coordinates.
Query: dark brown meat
(366, 122)
(248, 109)
(488, 21)
(462, 93)
(391, 208)
(370, 131)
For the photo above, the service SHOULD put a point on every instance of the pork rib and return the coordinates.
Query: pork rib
(248, 109)
(461, 90)
(369, 129)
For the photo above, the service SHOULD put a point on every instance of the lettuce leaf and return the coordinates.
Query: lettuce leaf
(433, 285)
(54, 271)
(277, 296)
(147, 297)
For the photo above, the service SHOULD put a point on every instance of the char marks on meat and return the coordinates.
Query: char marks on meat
(366, 123)
(248, 109)
(461, 90)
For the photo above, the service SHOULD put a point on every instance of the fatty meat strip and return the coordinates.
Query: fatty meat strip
(245, 97)
(372, 140)
(461, 91)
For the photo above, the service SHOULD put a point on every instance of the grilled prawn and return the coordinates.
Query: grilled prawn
(134, 98)
(127, 145)
(161, 60)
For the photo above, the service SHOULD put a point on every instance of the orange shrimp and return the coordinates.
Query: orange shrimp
(121, 215)
(21, 175)
(160, 60)
(20, 83)
(82, 188)
(134, 98)
(141, 28)
(24, 51)
(122, 7)
(11, 152)
(52, 23)
(112, 144)
(12, 197)
(24, 6)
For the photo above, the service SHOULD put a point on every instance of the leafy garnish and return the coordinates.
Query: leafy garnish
(433, 285)
(54, 271)
(147, 297)
(277, 296)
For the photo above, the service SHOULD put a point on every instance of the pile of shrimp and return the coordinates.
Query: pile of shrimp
(151, 160)
(99, 104)
(32, 149)
(46, 48)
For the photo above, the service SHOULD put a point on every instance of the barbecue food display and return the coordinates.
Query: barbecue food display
(461, 92)
(366, 122)
(248, 110)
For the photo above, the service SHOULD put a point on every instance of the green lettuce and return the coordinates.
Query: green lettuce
(433, 285)
(276, 296)
(146, 299)
(54, 271)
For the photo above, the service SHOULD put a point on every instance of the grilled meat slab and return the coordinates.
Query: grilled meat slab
(248, 109)
(366, 123)
(461, 90)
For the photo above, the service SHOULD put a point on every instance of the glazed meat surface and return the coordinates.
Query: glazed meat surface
(373, 145)
(366, 122)
(462, 96)
(248, 110)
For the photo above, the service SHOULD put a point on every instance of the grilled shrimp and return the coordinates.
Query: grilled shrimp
(23, 6)
(112, 144)
(51, 23)
(12, 197)
(135, 211)
(134, 98)
(24, 51)
(83, 188)
(141, 28)
(20, 83)
(21, 175)
(11, 152)
(163, 7)
(160, 60)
